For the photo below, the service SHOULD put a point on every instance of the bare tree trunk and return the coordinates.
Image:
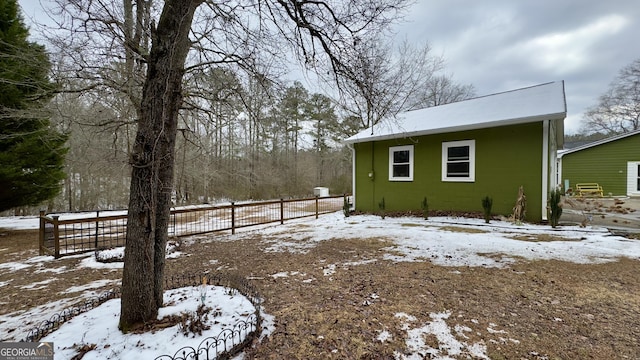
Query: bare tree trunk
(153, 164)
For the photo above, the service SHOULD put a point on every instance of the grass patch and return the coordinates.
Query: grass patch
(416, 225)
(468, 230)
(542, 238)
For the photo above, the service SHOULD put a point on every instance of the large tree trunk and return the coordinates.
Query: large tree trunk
(153, 163)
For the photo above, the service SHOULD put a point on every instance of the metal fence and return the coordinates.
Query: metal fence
(68, 234)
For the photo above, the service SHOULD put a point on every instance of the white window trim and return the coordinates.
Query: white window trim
(393, 149)
(633, 172)
(472, 160)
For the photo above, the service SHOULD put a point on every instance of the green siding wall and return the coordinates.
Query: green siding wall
(605, 164)
(506, 157)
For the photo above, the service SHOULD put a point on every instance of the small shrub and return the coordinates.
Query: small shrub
(381, 206)
(194, 323)
(487, 203)
(554, 208)
(346, 207)
(425, 208)
(520, 210)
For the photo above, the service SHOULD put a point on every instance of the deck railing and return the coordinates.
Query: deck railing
(69, 234)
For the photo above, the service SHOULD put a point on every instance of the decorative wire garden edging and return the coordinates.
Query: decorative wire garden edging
(69, 234)
(227, 343)
(48, 326)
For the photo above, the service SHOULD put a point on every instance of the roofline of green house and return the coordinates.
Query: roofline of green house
(598, 142)
(497, 123)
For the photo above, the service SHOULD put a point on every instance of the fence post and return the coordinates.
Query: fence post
(281, 211)
(41, 233)
(56, 237)
(233, 218)
(95, 246)
(316, 206)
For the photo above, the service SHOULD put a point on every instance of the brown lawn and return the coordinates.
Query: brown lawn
(329, 306)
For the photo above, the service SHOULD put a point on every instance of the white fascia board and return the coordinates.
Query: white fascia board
(357, 139)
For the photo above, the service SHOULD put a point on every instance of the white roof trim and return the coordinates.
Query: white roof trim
(526, 105)
(561, 153)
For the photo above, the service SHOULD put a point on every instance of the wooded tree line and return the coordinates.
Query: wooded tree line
(239, 141)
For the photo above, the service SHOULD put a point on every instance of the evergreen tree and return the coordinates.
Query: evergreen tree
(31, 151)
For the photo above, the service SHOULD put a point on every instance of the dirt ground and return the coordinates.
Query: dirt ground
(617, 214)
(530, 310)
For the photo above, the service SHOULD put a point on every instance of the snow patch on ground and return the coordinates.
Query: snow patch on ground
(92, 285)
(13, 266)
(20, 222)
(329, 270)
(58, 270)
(91, 262)
(100, 326)
(17, 324)
(384, 336)
(38, 285)
(448, 343)
(450, 241)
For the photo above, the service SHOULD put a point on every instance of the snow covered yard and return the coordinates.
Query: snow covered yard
(403, 288)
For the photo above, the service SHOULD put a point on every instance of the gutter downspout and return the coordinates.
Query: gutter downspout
(559, 170)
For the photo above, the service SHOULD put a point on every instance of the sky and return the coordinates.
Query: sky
(501, 45)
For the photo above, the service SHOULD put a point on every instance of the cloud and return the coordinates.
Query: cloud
(569, 51)
(499, 45)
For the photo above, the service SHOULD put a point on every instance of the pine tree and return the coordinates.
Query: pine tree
(31, 151)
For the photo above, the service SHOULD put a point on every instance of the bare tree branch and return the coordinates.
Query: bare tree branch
(618, 110)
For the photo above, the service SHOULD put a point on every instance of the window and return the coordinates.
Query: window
(458, 161)
(401, 163)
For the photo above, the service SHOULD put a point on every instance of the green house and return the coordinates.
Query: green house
(458, 153)
(613, 163)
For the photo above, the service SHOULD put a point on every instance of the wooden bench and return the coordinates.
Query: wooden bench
(589, 189)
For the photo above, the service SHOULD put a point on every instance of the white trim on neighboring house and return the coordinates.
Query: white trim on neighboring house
(559, 180)
(633, 178)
